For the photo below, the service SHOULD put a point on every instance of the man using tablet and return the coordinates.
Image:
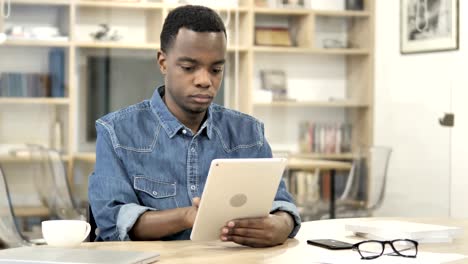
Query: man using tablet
(152, 158)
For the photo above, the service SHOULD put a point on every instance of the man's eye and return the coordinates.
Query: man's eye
(187, 68)
(218, 70)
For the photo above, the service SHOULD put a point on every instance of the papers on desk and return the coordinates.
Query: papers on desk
(392, 229)
(351, 257)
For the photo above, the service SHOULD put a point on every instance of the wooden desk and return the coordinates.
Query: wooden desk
(312, 165)
(293, 251)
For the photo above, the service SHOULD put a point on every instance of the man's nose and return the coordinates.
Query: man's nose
(202, 79)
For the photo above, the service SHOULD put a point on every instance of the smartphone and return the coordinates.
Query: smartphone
(330, 244)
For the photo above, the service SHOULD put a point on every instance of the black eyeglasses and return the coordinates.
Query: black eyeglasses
(371, 249)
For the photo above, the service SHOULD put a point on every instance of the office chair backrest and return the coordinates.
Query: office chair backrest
(9, 233)
(378, 166)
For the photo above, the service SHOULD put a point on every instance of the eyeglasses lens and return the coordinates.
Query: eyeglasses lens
(370, 249)
(405, 248)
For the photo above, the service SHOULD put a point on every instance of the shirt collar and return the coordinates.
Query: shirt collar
(169, 122)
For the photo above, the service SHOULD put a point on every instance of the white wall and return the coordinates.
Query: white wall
(412, 92)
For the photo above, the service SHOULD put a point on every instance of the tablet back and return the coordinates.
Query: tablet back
(236, 188)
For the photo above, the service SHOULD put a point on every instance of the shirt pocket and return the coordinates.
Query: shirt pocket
(156, 194)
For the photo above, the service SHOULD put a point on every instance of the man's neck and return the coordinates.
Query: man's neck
(192, 121)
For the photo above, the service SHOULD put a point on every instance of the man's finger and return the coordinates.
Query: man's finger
(248, 241)
(249, 232)
(196, 201)
(255, 223)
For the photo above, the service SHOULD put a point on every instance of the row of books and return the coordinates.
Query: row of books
(316, 137)
(25, 85)
(51, 84)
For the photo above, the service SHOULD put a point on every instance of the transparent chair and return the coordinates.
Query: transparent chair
(52, 184)
(365, 187)
(10, 236)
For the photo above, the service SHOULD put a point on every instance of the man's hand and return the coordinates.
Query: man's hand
(259, 232)
(191, 213)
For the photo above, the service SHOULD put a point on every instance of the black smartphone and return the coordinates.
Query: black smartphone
(330, 244)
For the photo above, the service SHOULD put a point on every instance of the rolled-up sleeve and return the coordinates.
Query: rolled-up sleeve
(283, 199)
(113, 200)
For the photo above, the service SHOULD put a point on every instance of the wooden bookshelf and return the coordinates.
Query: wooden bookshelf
(41, 2)
(339, 104)
(122, 5)
(33, 100)
(149, 16)
(117, 45)
(37, 43)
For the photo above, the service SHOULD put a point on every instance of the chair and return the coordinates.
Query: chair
(44, 172)
(9, 232)
(357, 199)
(52, 176)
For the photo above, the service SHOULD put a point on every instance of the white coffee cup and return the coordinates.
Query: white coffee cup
(65, 233)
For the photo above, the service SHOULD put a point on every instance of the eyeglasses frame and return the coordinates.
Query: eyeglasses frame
(383, 243)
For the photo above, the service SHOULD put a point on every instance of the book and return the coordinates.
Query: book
(57, 72)
(394, 229)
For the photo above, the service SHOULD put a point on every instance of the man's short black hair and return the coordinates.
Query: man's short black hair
(193, 17)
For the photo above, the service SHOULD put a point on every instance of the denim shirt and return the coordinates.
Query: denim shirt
(147, 160)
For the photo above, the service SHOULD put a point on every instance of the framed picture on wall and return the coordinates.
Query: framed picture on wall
(429, 25)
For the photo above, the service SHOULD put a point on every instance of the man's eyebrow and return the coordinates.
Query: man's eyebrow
(187, 59)
(223, 61)
(194, 61)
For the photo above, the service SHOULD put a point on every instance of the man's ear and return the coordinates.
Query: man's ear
(162, 62)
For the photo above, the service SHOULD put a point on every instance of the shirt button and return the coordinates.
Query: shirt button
(193, 149)
(193, 187)
(184, 131)
(155, 193)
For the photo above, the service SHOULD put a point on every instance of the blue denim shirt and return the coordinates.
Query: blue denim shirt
(147, 160)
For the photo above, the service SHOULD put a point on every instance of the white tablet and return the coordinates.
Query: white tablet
(236, 188)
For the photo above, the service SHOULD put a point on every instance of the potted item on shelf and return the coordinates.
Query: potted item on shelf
(272, 36)
(292, 3)
(103, 34)
(354, 4)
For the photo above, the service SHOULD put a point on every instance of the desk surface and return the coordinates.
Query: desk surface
(293, 251)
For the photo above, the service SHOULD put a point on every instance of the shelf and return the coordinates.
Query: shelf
(114, 4)
(327, 156)
(31, 100)
(312, 104)
(25, 158)
(37, 43)
(117, 45)
(271, 49)
(240, 9)
(28, 211)
(85, 156)
(313, 164)
(341, 51)
(281, 11)
(236, 48)
(344, 13)
(40, 2)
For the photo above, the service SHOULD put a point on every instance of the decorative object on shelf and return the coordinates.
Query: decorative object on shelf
(354, 5)
(428, 26)
(334, 44)
(292, 3)
(50, 33)
(5, 12)
(103, 34)
(272, 36)
(276, 82)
